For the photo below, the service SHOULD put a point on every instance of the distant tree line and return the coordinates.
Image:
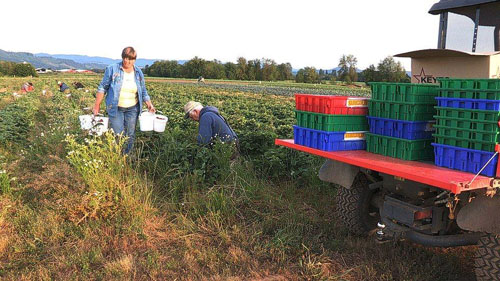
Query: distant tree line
(8, 68)
(388, 70)
(346, 72)
(257, 69)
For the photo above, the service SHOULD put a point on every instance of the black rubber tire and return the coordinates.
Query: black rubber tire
(487, 261)
(354, 208)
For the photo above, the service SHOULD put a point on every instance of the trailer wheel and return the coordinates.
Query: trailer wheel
(487, 261)
(354, 207)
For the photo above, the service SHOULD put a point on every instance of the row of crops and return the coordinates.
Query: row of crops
(258, 114)
(284, 89)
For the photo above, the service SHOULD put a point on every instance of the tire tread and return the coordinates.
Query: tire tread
(487, 260)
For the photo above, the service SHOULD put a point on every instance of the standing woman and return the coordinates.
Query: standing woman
(125, 90)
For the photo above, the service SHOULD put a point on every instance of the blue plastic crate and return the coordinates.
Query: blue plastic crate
(410, 130)
(329, 141)
(469, 103)
(464, 159)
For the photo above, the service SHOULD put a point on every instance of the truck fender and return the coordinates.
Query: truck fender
(339, 173)
(481, 214)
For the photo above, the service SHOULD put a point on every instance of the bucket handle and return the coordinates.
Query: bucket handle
(97, 115)
(157, 111)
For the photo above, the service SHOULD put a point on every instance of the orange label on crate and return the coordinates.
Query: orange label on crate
(349, 136)
(357, 103)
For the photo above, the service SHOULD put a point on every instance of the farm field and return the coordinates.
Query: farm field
(73, 208)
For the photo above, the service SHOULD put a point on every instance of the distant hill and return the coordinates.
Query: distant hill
(60, 61)
(46, 62)
(100, 60)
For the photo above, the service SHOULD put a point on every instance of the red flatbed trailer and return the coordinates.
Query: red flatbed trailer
(426, 173)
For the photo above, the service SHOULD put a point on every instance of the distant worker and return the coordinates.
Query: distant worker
(27, 87)
(125, 90)
(63, 88)
(212, 125)
(201, 79)
(78, 85)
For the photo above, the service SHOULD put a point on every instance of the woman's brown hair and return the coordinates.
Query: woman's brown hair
(129, 53)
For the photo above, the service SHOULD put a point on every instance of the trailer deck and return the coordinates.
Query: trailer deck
(426, 173)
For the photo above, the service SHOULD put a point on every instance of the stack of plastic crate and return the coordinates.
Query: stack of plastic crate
(330, 123)
(467, 125)
(401, 120)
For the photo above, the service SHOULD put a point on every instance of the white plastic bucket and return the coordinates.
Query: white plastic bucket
(85, 122)
(146, 121)
(96, 125)
(101, 125)
(160, 122)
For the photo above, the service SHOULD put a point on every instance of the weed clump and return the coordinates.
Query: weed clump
(112, 188)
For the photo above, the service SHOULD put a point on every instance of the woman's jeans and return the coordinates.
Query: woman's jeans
(124, 123)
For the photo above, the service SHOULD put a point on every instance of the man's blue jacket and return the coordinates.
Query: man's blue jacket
(213, 125)
(63, 87)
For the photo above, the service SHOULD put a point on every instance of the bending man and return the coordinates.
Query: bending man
(212, 124)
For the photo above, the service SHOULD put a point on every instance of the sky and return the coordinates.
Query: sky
(305, 33)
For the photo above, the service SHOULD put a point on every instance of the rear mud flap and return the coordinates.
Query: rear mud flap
(338, 173)
(481, 214)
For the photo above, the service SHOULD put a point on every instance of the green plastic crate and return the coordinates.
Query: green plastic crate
(456, 93)
(467, 128)
(453, 132)
(480, 84)
(488, 84)
(453, 83)
(404, 92)
(471, 114)
(453, 122)
(465, 143)
(487, 94)
(472, 138)
(447, 140)
(400, 148)
(469, 88)
(408, 111)
(383, 91)
(492, 94)
(331, 123)
(468, 124)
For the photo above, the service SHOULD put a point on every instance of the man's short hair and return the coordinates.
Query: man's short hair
(129, 53)
(190, 106)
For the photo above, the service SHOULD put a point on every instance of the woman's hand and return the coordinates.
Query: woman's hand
(96, 109)
(151, 108)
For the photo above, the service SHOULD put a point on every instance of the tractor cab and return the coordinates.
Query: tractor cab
(468, 42)
(468, 25)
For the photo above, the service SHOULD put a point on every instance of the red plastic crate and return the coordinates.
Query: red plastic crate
(332, 104)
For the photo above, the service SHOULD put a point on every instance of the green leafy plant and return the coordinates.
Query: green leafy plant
(4, 182)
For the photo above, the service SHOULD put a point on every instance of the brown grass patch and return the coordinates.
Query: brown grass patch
(5, 228)
(121, 266)
(237, 255)
(57, 176)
